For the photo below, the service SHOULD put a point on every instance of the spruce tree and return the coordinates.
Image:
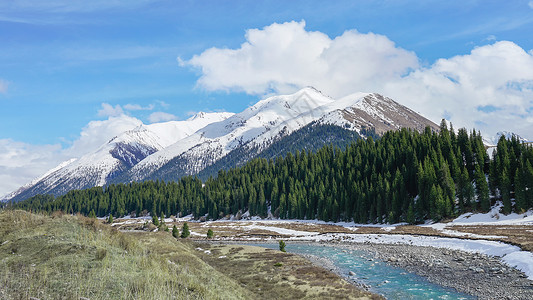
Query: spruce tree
(185, 230)
(410, 218)
(210, 233)
(282, 246)
(482, 189)
(175, 231)
(155, 220)
(110, 219)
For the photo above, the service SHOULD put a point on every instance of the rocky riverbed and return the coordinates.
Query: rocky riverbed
(474, 274)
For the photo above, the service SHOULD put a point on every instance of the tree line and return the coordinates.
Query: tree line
(404, 176)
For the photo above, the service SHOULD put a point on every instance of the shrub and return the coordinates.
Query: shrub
(210, 233)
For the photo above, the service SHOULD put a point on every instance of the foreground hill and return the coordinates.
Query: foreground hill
(73, 257)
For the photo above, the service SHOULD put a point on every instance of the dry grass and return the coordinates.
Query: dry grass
(67, 257)
(272, 274)
(520, 235)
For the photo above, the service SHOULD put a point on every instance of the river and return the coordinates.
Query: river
(389, 281)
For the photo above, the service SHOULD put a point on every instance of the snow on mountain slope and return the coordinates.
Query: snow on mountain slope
(493, 141)
(116, 156)
(377, 112)
(259, 126)
(209, 144)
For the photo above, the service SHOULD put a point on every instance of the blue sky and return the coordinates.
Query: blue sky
(65, 65)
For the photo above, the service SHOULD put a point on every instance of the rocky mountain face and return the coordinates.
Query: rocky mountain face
(209, 142)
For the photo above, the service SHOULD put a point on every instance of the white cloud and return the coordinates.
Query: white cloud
(20, 162)
(281, 58)
(530, 4)
(96, 133)
(490, 89)
(108, 110)
(163, 104)
(138, 107)
(3, 86)
(160, 116)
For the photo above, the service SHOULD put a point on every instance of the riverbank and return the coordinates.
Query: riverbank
(471, 273)
(272, 274)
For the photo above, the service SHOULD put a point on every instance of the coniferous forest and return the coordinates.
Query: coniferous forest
(404, 176)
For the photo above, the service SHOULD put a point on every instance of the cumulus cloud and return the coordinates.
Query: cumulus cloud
(21, 162)
(281, 58)
(96, 133)
(3, 86)
(108, 110)
(489, 89)
(160, 116)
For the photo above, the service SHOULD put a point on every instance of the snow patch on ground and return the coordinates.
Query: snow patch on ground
(511, 255)
(442, 228)
(283, 231)
(494, 217)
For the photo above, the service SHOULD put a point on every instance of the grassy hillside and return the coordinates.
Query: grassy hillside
(68, 257)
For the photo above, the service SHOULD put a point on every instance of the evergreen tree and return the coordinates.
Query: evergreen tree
(282, 246)
(110, 219)
(210, 233)
(410, 218)
(482, 190)
(185, 230)
(175, 231)
(155, 220)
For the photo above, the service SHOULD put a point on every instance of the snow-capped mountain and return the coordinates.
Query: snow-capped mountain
(261, 124)
(115, 157)
(492, 142)
(187, 147)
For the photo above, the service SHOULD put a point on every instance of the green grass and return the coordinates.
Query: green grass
(69, 257)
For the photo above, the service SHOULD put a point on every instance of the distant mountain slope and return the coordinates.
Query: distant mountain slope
(115, 157)
(309, 138)
(255, 129)
(208, 142)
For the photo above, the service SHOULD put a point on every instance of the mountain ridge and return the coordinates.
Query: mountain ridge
(188, 147)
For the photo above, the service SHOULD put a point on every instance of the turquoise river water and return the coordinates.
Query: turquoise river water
(389, 281)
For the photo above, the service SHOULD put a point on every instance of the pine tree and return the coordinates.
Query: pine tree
(506, 192)
(482, 189)
(210, 233)
(175, 231)
(185, 230)
(282, 246)
(410, 218)
(110, 219)
(155, 220)
(92, 214)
